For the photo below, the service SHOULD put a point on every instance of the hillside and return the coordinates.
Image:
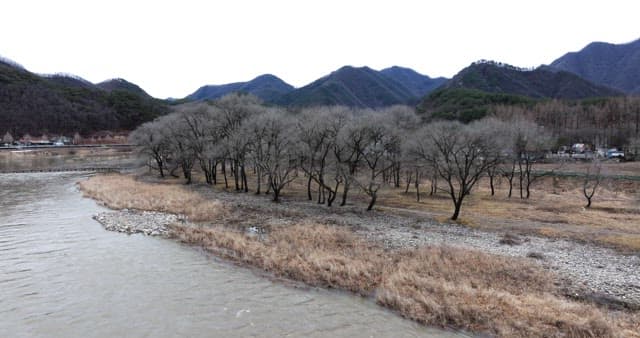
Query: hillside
(267, 87)
(615, 66)
(466, 104)
(350, 86)
(419, 85)
(31, 103)
(124, 85)
(495, 77)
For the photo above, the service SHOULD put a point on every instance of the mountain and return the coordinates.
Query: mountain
(615, 66)
(419, 85)
(493, 77)
(32, 103)
(349, 86)
(122, 84)
(353, 87)
(267, 87)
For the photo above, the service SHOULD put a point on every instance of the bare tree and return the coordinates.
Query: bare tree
(530, 142)
(202, 133)
(459, 156)
(152, 139)
(181, 149)
(592, 179)
(498, 133)
(279, 147)
(235, 110)
(348, 150)
(379, 151)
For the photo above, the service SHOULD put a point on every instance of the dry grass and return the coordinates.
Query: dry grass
(314, 254)
(438, 286)
(125, 192)
(435, 286)
(555, 209)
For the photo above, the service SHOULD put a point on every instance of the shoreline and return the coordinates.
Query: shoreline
(394, 233)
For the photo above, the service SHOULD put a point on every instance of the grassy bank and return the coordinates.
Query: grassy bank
(123, 192)
(439, 286)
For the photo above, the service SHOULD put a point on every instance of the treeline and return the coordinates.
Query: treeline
(337, 150)
(602, 122)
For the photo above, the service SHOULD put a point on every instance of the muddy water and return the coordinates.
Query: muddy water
(62, 275)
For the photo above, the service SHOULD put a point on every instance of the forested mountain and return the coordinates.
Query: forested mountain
(466, 104)
(124, 85)
(419, 85)
(495, 77)
(352, 87)
(267, 87)
(615, 66)
(31, 103)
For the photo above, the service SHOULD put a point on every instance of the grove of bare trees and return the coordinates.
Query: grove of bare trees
(337, 151)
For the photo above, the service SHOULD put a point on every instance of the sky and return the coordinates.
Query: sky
(171, 48)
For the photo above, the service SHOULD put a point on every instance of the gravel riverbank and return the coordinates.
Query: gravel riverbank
(588, 271)
(149, 223)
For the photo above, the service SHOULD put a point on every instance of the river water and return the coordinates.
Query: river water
(62, 275)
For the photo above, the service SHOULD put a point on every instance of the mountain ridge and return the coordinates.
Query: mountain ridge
(362, 87)
(63, 103)
(267, 87)
(613, 65)
(495, 77)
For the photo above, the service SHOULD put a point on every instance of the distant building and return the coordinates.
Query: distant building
(107, 137)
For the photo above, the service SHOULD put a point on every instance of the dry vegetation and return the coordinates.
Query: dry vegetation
(434, 285)
(124, 192)
(555, 209)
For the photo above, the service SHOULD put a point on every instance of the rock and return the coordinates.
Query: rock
(131, 222)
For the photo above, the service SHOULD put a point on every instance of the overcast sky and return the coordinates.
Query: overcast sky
(170, 48)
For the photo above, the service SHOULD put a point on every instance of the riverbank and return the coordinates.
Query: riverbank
(443, 275)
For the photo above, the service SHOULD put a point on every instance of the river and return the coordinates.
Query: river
(62, 275)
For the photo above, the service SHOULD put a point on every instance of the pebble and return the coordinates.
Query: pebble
(149, 223)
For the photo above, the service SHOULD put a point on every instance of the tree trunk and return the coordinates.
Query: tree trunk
(236, 174)
(224, 173)
(186, 172)
(409, 178)
(276, 191)
(258, 179)
(244, 179)
(521, 183)
(333, 194)
(214, 174)
(493, 191)
(372, 202)
(160, 167)
(344, 195)
(417, 184)
(309, 188)
(456, 211)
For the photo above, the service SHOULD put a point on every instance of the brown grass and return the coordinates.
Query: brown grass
(125, 192)
(439, 286)
(435, 286)
(314, 254)
(554, 210)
